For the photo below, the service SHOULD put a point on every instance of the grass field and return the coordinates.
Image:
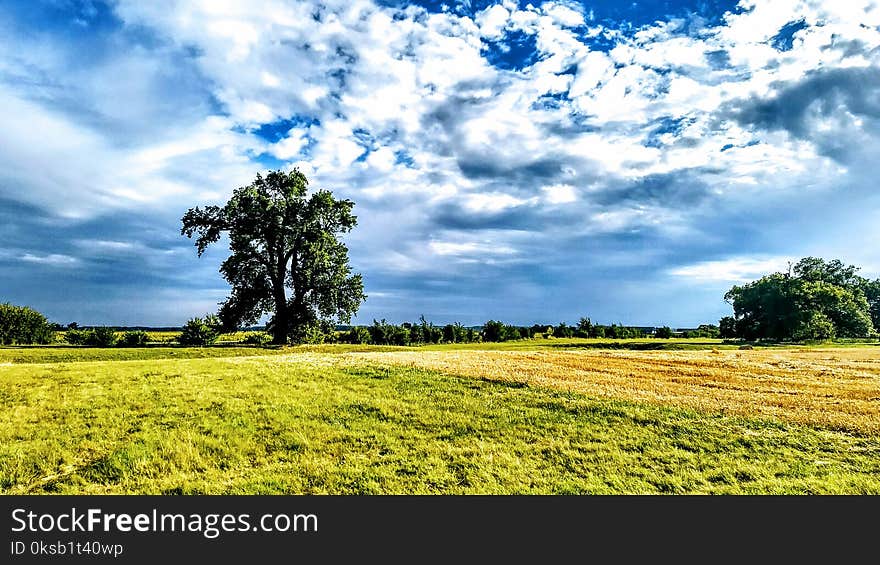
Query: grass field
(543, 416)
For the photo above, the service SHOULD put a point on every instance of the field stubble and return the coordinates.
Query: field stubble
(834, 388)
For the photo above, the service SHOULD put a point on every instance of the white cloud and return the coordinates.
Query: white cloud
(53, 259)
(469, 248)
(492, 21)
(436, 145)
(493, 202)
(734, 270)
(559, 193)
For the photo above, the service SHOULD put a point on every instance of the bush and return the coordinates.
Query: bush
(200, 332)
(257, 338)
(357, 335)
(134, 339)
(76, 336)
(102, 337)
(23, 325)
(663, 333)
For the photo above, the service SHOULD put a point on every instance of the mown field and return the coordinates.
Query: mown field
(542, 416)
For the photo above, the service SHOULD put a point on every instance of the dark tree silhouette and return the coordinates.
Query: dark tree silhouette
(286, 257)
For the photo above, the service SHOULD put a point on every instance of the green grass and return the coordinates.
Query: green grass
(300, 424)
(69, 354)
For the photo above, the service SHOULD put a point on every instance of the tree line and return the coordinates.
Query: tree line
(423, 332)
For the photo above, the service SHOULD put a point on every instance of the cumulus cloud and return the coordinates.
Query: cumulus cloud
(546, 144)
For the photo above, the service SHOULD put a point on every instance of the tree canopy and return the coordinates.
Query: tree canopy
(815, 299)
(286, 257)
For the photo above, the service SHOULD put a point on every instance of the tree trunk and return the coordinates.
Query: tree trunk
(282, 316)
(279, 331)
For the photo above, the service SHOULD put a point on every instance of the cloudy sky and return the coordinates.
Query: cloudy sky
(533, 162)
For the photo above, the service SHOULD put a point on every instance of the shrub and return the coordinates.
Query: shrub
(257, 338)
(200, 332)
(134, 339)
(663, 333)
(357, 335)
(101, 337)
(23, 325)
(76, 336)
(312, 335)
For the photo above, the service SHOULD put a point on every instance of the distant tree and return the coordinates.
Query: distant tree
(664, 332)
(563, 330)
(584, 326)
(448, 333)
(871, 290)
(23, 325)
(286, 258)
(800, 303)
(493, 331)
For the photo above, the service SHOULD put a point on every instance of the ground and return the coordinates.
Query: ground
(536, 416)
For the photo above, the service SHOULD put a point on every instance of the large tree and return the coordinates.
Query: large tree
(815, 299)
(286, 257)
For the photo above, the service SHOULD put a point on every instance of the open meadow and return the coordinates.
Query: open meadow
(532, 416)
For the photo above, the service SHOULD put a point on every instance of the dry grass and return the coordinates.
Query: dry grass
(836, 388)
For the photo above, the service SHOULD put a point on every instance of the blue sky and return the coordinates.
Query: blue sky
(534, 162)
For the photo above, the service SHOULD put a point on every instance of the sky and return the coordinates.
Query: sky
(530, 162)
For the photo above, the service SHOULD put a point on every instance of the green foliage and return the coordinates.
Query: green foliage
(200, 332)
(357, 335)
(75, 336)
(872, 295)
(664, 332)
(101, 337)
(563, 330)
(23, 325)
(584, 327)
(256, 338)
(311, 334)
(493, 330)
(710, 331)
(134, 339)
(286, 257)
(817, 326)
(802, 302)
(383, 333)
(727, 327)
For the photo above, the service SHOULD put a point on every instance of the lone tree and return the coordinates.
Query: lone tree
(286, 258)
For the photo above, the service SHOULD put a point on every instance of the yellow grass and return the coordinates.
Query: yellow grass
(836, 388)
